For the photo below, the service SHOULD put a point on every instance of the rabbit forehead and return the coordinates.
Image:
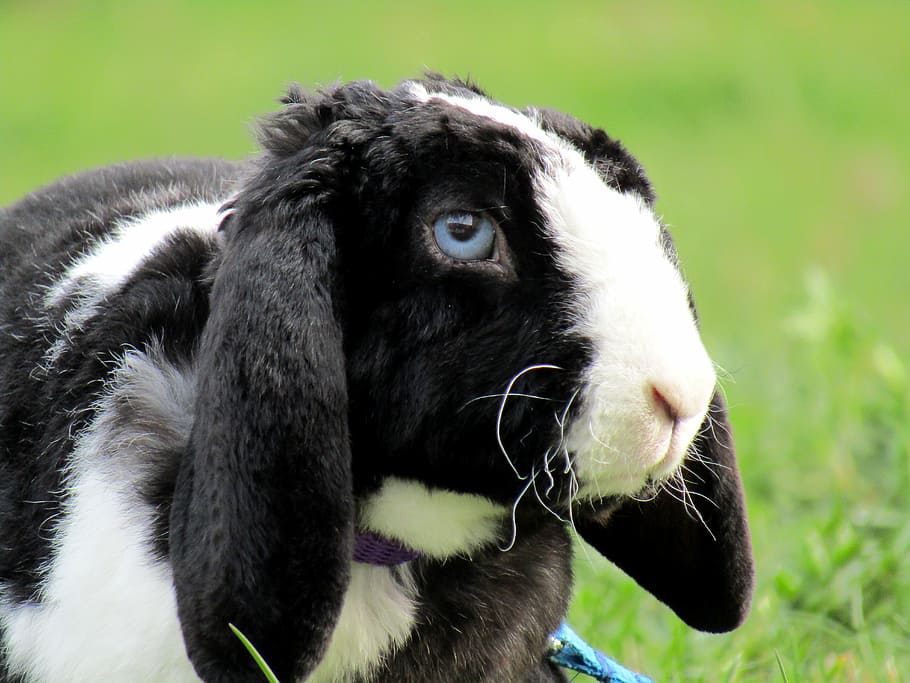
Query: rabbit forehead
(488, 109)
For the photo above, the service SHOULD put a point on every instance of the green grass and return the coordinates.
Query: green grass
(778, 137)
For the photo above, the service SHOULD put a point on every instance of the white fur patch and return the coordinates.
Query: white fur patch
(107, 610)
(437, 523)
(480, 106)
(377, 618)
(96, 274)
(633, 306)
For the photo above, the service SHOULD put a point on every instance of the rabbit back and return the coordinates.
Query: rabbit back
(103, 292)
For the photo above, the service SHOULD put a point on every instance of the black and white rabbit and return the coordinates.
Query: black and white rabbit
(418, 315)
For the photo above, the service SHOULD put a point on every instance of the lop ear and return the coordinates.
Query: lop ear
(699, 563)
(262, 517)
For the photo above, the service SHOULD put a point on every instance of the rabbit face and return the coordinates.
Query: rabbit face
(560, 353)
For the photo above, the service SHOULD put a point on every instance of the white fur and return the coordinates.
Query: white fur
(480, 106)
(632, 304)
(107, 610)
(377, 618)
(99, 272)
(437, 523)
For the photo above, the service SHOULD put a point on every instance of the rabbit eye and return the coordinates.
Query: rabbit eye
(466, 236)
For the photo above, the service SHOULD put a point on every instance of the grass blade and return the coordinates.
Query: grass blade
(269, 675)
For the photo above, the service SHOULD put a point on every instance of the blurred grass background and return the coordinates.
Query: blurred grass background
(778, 137)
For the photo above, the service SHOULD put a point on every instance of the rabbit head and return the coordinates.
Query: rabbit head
(420, 284)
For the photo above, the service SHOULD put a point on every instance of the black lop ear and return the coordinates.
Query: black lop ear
(699, 564)
(262, 517)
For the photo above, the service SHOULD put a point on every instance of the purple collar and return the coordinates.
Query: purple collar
(370, 548)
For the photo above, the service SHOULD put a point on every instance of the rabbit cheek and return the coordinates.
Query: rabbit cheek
(647, 387)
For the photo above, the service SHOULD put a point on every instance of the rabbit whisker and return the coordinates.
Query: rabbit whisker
(600, 442)
(647, 494)
(684, 496)
(502, 407)
(683, 489)
(712, 465)
(513, 395)
(540, 500)
(561, 421)
(688, 470)
(514, 517)
(547, 458)
(573, 494)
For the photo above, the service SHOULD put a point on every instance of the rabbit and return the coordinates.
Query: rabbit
(418, 318)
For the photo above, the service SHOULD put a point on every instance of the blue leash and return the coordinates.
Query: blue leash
(569, 651)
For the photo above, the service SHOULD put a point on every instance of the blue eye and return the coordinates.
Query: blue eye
(465, 236)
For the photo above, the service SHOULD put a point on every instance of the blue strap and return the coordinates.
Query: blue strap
(569, 651)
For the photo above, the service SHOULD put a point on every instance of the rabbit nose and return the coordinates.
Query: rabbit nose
(678, 404)
(664, 406)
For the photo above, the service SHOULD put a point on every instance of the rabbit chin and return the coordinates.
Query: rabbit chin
(638, 451)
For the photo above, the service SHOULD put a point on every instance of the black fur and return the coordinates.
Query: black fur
(334, 348)
(475, 635)
(264, 493)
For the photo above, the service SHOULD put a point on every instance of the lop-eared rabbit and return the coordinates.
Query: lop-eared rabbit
(353, 396)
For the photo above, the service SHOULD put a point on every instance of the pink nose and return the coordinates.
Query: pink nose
(664, 405)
